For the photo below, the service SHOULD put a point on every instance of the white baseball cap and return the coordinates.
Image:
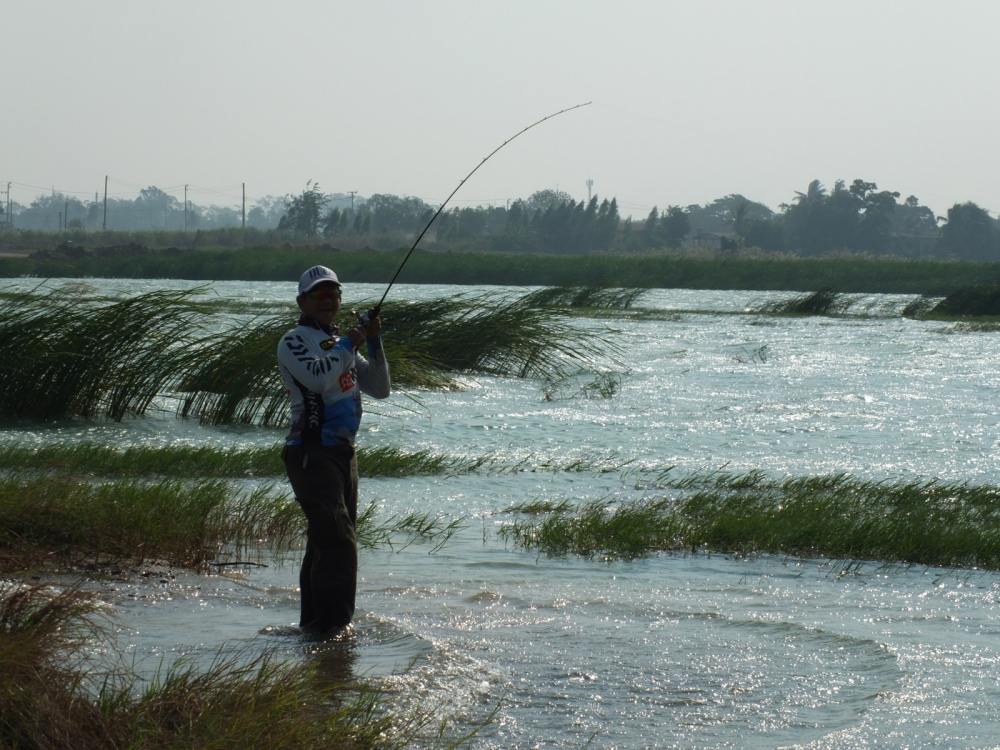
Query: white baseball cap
(316, 275)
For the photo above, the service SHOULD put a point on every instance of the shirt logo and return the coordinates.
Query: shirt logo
(328, 344)
(347, 380)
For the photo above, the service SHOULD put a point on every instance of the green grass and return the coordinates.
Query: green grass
(52, 697)
(59, 357)
(760, 272)
(65, 357)
(58, 519)
(925, 522)
(187, 524)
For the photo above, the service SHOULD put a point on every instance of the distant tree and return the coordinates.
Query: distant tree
(395, 213)
(302, 216)
(911, 219)
(676, 226)
(542, 200)
(720, 216)
(969, 233)
(651, 227)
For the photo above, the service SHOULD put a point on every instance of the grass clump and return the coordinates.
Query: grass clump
(821, 302)
(416, 526)
(50, 698)
(60, 357)
(978, 301)
(588, 297)
(58, 517)
(926, 522)
(55, 518)
(919, 307)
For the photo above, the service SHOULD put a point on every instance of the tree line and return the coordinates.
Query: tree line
(857, 217)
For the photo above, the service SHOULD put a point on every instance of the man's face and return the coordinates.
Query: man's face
(321, 303)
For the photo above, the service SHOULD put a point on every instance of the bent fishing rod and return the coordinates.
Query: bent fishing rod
(375, 310)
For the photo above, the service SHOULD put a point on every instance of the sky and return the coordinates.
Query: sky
(691, 100)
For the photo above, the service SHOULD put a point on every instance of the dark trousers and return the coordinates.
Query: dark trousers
(325, 482)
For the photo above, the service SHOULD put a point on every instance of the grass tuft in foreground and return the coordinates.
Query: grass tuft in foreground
(60, 357)
(927, 522)
(49, 698)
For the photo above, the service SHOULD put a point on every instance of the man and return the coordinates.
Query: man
(324, 375)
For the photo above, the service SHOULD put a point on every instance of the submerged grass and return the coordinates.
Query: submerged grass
(926, 522)
(51, 698)
(192, 462)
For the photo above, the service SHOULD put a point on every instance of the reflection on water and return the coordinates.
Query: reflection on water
(668, 651)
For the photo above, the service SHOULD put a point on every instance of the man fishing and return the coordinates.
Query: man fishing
(324, 376)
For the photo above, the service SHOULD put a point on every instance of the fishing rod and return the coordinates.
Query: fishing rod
(375, 310)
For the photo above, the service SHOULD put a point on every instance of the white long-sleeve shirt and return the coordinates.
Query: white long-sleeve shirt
(324, 377)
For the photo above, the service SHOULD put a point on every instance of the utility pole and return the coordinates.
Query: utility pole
(66, 215)
(185, 208)
(590, 188)
(10, 209)
(244, 206)
(352, 192)
(104, 225)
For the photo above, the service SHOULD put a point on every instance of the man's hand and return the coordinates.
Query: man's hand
(374, 327)
(357, 336)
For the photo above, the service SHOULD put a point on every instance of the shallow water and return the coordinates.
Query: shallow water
(672, 650)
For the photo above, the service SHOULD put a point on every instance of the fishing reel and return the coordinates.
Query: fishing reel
(365, 318)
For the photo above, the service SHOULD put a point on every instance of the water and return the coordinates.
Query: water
(672, 650)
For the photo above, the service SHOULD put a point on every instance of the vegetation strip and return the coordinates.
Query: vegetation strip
(838, 516)
(51, 696)
(192, 462)
(57, 517)
(668, 270)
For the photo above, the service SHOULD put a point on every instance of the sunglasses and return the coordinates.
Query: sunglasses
(328, 293)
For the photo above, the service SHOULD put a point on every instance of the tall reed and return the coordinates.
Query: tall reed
(59, 357)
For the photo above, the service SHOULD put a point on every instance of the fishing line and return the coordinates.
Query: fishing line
(374, 311)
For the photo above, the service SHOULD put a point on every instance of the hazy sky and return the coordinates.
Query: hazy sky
(692, 100)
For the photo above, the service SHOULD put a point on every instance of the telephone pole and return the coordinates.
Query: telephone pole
(590, 188)
(66, 215)
(244, 206)
(353, 193)
(185, 208)
(104, 225)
